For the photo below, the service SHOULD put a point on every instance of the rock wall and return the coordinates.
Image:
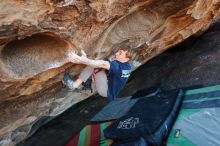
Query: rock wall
(36, 36)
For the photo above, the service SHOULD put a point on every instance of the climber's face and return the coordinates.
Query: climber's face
(121, 54)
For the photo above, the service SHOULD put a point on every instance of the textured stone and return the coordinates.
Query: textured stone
(36, 36)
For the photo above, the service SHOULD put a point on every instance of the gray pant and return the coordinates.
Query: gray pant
(100, 83)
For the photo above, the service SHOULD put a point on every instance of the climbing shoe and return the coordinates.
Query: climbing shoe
(68, 81)
(87, 85)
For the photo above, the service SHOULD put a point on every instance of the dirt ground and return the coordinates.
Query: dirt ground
(191, 63)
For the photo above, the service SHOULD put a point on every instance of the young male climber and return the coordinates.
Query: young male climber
(106, 84)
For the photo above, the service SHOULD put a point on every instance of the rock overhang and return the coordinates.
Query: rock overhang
(35, 41)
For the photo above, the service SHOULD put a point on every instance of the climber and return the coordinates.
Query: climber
(106, 84)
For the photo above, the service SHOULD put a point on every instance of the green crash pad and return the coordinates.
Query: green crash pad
(198, 121)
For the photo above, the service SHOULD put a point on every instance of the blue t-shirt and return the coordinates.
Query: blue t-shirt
(117, 77)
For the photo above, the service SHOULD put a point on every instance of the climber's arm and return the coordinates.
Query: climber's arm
(74, 58)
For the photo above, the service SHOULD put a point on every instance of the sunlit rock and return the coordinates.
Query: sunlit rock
(37, 35)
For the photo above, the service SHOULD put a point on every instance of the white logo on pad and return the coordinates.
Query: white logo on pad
(128, 123)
